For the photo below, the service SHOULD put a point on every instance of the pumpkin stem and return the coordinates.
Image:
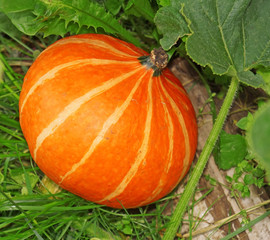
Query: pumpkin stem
(157, 60)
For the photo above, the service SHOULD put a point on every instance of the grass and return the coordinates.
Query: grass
(28, 210)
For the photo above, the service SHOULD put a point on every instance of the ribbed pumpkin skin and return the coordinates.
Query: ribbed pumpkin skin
(101, 126)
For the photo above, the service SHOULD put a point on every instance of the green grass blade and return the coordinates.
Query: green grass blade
(247, 226)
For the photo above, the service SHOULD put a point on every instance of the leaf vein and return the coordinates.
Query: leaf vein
(222, 35)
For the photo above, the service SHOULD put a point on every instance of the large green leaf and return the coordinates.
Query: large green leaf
(258, 136)
(16, 5)
(7, 27)
(66, 16)
(231, 37)
(265, 73)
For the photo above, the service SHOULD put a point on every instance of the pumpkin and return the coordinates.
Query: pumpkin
(105, 123)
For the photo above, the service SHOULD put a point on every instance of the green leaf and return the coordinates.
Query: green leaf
(239, 186)
(25, 21)
(7, 27)
(94, 230)
(56, 17)
(250, 79)
(265, 74)
(16, 5)
(259, 182)
(245, 192)
(231, 37)
(225, 33)
(171, 24)
(113, 6)
(26, 180)
(258, 136)
(245, 122)
(258, 172)
(232, 150)
(164, 2)
(140, 8)
(248, 179)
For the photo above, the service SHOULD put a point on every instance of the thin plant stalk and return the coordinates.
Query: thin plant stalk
(198, 169)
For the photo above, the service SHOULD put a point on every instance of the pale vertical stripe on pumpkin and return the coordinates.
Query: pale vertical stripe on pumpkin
(76, 104)
(179, 89)
(112, 119)
(171, 136)
(176, 86)
(169, 124)
(51, 74)
(95, 43)
(141, 152)
(184, 129)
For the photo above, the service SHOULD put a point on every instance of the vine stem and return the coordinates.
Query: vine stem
(204, 156)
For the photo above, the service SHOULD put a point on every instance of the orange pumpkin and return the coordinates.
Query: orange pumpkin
(99, 124)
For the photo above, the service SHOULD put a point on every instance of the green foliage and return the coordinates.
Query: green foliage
(246, 174)
(259, 136)
(60, 17)
(265, 73)
(7, 27)
(24, 180)
(140, 8)
(171, 24)
(113, 6)
(16, 5)
(245, 122)
(125, 226)
(93, 229)
(164, 3)
(224, 35)
(232, 150)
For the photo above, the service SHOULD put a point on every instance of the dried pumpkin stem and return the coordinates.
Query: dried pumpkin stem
(198, 169)
(157, 60)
